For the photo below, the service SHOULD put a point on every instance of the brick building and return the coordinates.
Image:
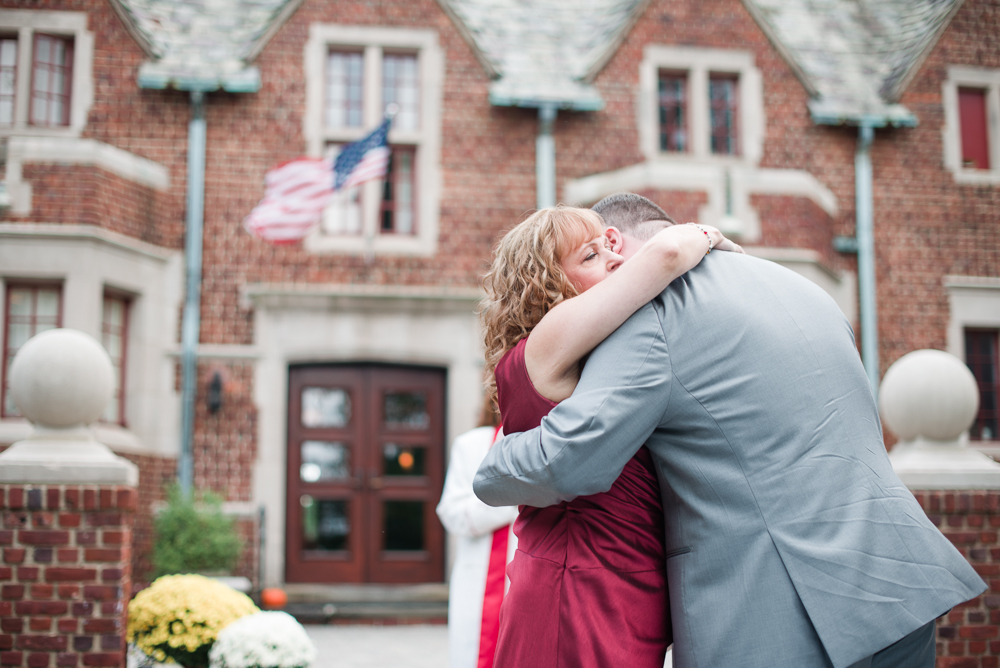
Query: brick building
(344, 365)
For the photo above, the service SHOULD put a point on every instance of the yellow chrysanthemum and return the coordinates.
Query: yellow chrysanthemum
(181, 614)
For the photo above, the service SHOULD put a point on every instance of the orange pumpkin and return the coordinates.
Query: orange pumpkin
(273, 597)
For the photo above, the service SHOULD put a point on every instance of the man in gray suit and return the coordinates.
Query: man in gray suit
(790, 542)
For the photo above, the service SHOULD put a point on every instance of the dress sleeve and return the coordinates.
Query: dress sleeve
(521, 406)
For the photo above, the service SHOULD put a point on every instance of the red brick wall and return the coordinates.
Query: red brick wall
(66, 574)
(87, 195)
(969, 635)
(926, 225)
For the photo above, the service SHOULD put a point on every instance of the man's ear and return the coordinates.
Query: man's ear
(614, 235)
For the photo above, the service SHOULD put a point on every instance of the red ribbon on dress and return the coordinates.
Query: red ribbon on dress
(493, 597)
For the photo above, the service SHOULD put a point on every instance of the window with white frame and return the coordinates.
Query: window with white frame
(971, 98)
(46, 84)
(352, 75)
(973, 328)
(700, 104)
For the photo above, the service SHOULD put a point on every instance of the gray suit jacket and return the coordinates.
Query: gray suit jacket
(790, 541)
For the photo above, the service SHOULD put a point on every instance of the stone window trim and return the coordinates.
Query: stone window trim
(971, 77)
(699, 65)
(89, 263)
(374, 41)
(974, 303)
(27, 23)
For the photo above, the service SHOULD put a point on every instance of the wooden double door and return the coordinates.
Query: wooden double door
(365, 470)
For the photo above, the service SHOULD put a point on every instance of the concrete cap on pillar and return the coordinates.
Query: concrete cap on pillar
(929, 399)
(62, 380)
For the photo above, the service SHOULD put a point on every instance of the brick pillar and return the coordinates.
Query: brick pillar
(969, 635)
(66, 575)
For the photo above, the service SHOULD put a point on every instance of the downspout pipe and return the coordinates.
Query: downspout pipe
(865, 234)
(191, 323)
(545, 157)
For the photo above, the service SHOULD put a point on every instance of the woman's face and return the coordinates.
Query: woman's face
(590, 263)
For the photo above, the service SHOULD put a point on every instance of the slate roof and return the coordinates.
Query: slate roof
(202, 44)
(545, 51)
(855, 56)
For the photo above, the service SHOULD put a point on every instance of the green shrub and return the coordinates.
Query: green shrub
(194, 536)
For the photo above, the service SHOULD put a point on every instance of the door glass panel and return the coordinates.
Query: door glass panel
(322, 460)
(325, 407)
(406, 410)
(398, 460)
(325, 524)
(404, 525)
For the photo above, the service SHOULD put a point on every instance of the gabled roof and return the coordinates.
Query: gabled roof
(202, 44)
(855, 56)
(544, 51)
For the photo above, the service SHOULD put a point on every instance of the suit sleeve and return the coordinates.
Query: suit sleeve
(460, 511)
(584, 443)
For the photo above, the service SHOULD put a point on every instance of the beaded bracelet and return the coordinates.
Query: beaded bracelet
(707, 236)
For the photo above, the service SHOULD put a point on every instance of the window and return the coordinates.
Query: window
(28, 310)
(982, 357)
(723, 113)
(345, 111)
(673, 111)
(700, 105)
(344, 89)
(8, 78)
(114, 337)
(352, 75)
(46, 82)
(51, 80)
(397, 214)
(971, 132)
(401, 86)
(972, 124)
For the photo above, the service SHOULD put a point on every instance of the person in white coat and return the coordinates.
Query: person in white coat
(475, 525)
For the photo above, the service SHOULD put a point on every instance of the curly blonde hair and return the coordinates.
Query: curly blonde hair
(527, 279)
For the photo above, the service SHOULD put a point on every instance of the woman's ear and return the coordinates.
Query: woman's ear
(615, 237)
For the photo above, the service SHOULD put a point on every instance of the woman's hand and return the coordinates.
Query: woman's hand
(719, 240)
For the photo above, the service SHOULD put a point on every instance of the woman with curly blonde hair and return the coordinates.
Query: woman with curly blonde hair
(587, 583)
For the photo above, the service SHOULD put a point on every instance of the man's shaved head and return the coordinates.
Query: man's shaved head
(633, 215)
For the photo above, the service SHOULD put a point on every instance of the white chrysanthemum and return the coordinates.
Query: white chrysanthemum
(263, 640)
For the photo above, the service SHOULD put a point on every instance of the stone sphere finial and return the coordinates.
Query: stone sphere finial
(928, 395)
(62, 378)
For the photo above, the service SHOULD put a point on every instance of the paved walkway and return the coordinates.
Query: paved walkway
(372, 647)
(384, 646)
(380, 646)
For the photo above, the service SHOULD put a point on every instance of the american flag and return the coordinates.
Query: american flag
(363, 160)
(297, 191)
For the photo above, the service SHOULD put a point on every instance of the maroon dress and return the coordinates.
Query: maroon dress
(588, 584)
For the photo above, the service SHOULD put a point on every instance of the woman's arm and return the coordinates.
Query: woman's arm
(574, 327)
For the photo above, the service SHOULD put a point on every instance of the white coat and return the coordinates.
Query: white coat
(473, 524)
